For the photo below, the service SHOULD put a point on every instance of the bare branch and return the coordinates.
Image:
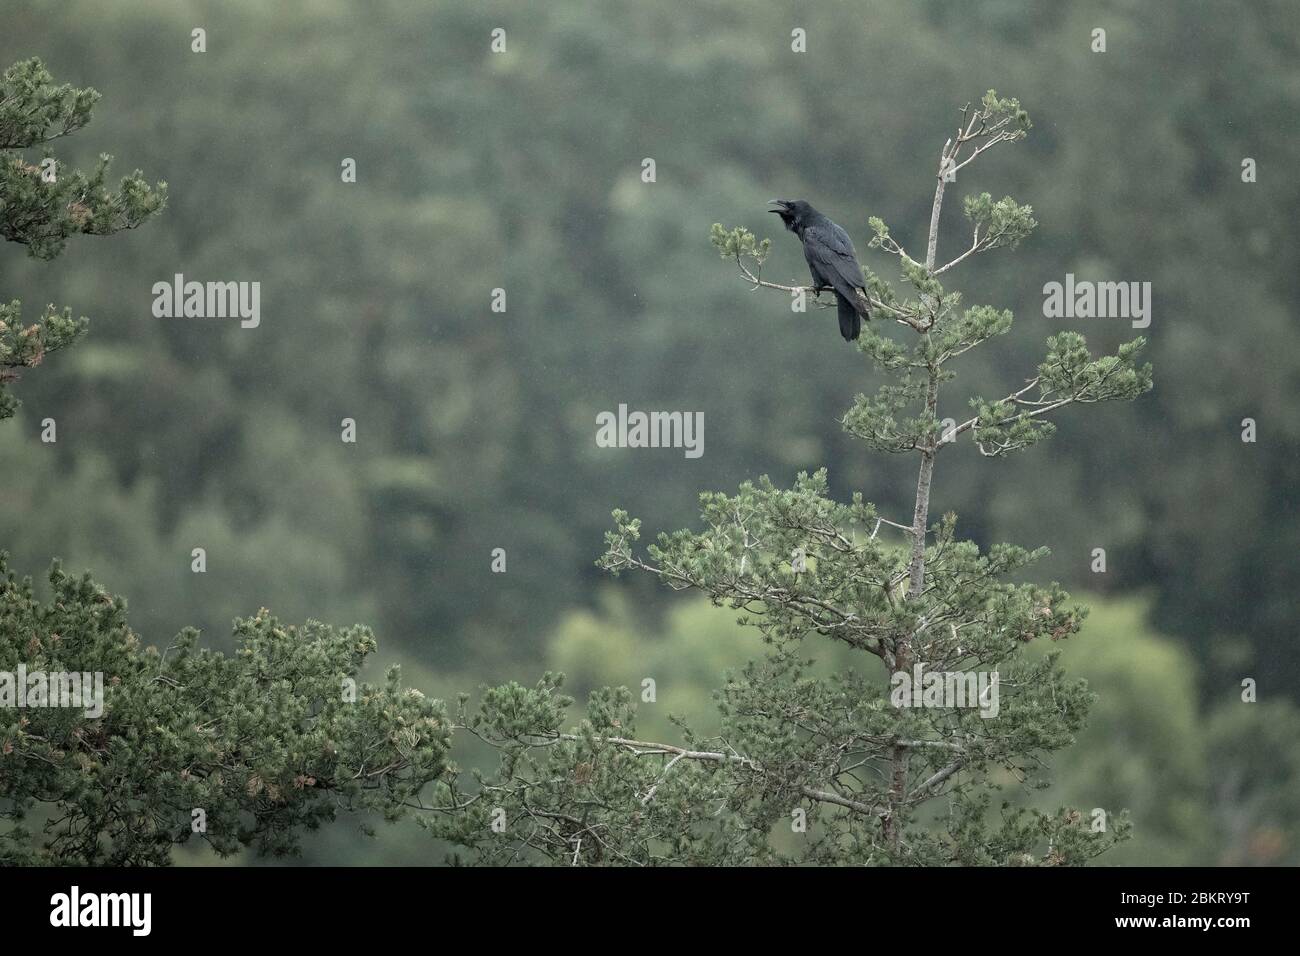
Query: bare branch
(645, 747)
(900, 315)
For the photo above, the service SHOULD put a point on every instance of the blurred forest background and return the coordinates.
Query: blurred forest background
(476, 430)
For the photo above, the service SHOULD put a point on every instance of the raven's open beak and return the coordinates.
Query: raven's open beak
(778, 202)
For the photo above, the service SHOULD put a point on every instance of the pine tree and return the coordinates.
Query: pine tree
(247, 750)
(850, 769)
(183, 743)
(42, 204)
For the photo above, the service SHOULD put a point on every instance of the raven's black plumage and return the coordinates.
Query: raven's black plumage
(831, 260)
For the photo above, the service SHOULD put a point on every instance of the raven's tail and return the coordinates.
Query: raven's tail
(850, 317)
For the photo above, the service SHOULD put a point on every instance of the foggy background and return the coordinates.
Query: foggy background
(476, 430)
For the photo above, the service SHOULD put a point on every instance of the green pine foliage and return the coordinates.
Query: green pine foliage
(42, 204)
(246, 750)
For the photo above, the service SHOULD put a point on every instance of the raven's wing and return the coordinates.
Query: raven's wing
(830, 253)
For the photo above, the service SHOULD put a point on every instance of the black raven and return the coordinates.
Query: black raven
(831, 260)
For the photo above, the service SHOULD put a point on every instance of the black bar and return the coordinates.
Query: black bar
(336, 906)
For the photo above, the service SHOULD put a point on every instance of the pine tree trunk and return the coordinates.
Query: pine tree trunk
(893, 823)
